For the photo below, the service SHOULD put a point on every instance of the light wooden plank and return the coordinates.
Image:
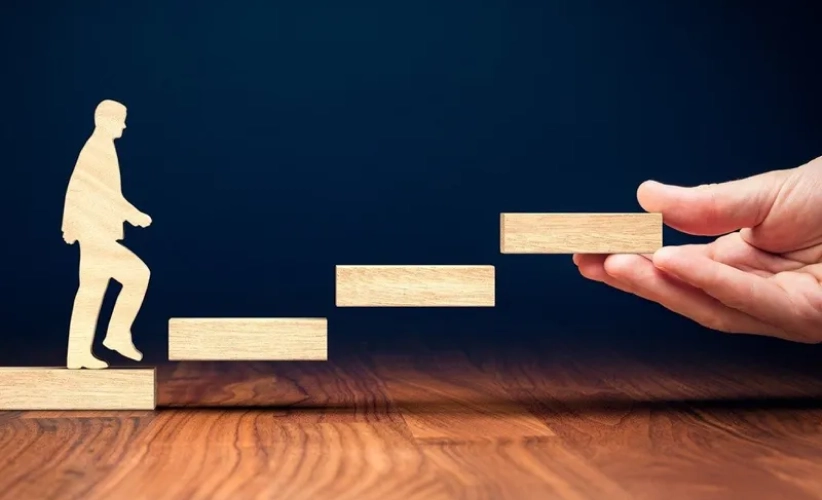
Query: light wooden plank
(415, 286)
(247, 339)
(67, 389)
(566, 233)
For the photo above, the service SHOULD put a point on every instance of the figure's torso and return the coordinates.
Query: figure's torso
(94, 199)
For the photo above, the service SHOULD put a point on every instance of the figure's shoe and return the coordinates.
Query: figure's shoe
(89, 362)
(124, 347)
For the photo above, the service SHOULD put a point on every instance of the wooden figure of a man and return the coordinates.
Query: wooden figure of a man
(94, 212)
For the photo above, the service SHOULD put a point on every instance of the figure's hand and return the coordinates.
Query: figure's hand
(69, 237)
(140, 220)
(762, 278)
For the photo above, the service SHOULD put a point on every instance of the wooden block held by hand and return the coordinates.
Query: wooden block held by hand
(531, 233)
(247, 339)
(66, 389)
(415, 286)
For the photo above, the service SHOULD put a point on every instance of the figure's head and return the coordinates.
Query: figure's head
(110, 118)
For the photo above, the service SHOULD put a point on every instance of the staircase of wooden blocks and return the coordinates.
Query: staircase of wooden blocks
(282, 339)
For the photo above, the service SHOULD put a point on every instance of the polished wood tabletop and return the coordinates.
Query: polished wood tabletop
(533, 420)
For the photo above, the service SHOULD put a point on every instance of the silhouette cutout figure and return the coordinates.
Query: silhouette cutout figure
(94, 212)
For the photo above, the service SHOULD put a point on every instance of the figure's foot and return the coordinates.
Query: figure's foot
(124, 347)
(88, 362)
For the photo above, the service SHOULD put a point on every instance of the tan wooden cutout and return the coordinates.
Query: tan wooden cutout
(94, 212)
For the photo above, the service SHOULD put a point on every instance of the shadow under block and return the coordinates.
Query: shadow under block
(248, 339)
(415, 286)
(64, 389)
(530, 233)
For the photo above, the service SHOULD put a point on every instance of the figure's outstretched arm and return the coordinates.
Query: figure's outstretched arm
(132, 214)
(127, 208)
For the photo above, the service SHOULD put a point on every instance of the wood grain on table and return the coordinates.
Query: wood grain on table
(441, 424)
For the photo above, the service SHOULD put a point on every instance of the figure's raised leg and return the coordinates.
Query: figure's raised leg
(134, 275)
(84, 317)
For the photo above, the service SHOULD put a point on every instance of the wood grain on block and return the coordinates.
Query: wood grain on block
(528, 233)
(415, 286)
(247, 339)
(65, 389)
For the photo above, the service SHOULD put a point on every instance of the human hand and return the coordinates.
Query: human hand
(761, 278)
(140, 220)
(69, 237)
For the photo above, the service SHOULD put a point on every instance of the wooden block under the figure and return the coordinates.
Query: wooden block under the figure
(64, 389)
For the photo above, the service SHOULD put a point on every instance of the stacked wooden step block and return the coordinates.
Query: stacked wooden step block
(289, 339)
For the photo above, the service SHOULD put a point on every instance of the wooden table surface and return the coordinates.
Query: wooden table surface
(529, 421)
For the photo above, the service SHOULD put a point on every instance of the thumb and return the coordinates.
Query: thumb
(713, 209)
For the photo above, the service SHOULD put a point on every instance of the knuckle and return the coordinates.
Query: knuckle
(712, 208)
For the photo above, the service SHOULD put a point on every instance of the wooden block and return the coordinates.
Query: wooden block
(526, 233)
(66, 389)
(415, 286)
(247, 339)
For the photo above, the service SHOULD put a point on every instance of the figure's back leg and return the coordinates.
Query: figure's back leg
(133, 274)
(84, 315)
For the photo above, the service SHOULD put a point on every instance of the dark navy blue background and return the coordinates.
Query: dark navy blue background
(272, 142)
